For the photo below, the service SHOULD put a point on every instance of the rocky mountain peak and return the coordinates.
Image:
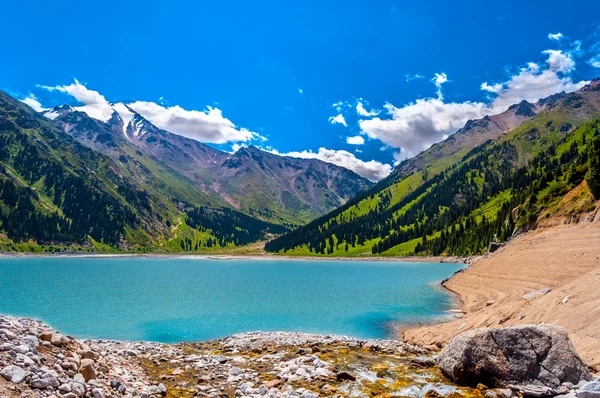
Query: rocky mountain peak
(523, 108)
(594, 85)
(58, 111)
(248, 151)
(552, 99)
(139, 126)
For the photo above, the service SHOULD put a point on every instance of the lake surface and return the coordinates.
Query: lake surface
(189, 299)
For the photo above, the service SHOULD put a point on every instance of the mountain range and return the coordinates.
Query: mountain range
(278, 188)
(496, 175)
(118, 182)
(149, 183)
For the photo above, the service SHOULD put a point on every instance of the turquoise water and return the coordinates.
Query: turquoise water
(185, 299)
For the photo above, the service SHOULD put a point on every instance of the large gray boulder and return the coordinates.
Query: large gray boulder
(526, 354)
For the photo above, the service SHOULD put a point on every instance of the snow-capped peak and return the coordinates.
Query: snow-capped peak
(138, 126)
(58, 111)
(118, 114)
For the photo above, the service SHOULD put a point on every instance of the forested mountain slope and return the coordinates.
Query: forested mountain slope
(54, 189)
(56, 192)
(503, 183)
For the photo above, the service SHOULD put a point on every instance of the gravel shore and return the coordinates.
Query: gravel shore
(37, 361)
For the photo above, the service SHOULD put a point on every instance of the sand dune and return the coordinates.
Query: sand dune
(564, 258)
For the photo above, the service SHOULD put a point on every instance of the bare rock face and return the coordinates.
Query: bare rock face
(526, 354)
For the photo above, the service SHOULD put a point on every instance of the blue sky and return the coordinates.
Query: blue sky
(288, 76)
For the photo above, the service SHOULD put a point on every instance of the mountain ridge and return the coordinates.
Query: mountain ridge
(410, 211)
(319, 186)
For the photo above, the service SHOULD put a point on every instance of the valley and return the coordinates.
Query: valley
(358, 199)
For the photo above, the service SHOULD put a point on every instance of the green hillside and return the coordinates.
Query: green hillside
(457, 206)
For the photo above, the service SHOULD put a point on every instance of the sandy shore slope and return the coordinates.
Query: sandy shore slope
(565, 259)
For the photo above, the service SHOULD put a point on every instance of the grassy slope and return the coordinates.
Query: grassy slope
(529, 139)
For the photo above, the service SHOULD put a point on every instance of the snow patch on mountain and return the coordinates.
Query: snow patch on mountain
(138, 128)
(126, 115)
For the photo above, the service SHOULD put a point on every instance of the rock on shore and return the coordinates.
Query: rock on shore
(526, 354)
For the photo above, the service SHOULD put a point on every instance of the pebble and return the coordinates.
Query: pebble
(78, 389)
(97, 393)
(589, 389)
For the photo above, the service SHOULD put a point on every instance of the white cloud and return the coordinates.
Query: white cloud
(94, 103)
(533, 82)
(555, 36)
(438, 80)
(340, 105)
(560, 61)
(371, 170)
(206, 126)
(595, 61)
(414, 127)
(360, 109)
(339, 119)
(413, 77)
(300, 91)
(33, 102)
(356, 140)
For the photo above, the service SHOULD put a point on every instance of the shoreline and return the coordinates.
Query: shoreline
(454, 313)
(224, 257)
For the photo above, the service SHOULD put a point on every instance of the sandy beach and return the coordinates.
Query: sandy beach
(560, 265)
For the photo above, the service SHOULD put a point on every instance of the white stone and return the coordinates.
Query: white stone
(537, 293)
(78, 389)
(13, 373)
(21, 349)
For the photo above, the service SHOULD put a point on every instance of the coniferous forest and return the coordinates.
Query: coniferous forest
(231, 227)
(493, 191)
